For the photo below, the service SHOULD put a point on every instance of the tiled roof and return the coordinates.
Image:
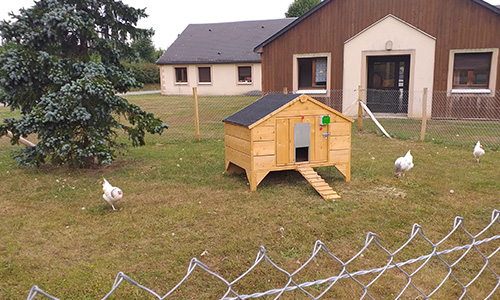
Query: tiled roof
(221, 42)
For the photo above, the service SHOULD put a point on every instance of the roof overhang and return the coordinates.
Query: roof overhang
(259, 48)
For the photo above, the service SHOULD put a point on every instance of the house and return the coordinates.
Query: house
(393, 49)
(288, 132)
(216, 58)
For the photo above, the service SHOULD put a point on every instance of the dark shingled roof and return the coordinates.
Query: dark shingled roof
(221, 42)
(260, 108)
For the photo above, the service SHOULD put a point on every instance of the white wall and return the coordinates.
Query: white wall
(406, 40)
(224, 80)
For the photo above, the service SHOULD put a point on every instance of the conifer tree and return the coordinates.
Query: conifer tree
(60, 67)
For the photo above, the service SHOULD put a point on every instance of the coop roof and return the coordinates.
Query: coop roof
(268, 106)
(230, 42)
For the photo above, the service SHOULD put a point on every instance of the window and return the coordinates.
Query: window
(204, 75)
(472, 70)
(312, 72)
(181, 75)
(244, 74)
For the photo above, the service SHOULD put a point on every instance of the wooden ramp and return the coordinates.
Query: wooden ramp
(318, 183)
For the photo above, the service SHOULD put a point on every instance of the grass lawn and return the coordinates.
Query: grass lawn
(149, 87)
(178, 113)
(446, 132)
(57, 232)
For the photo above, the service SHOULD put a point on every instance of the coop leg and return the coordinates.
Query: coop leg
(233, 169)
(345, 169)
(255, 177)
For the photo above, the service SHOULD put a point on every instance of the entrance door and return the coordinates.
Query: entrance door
(296, 144)
(302, 142)
(388, 82)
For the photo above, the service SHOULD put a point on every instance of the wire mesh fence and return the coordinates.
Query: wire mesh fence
(178, 112)
(451, 119)
(465, 271)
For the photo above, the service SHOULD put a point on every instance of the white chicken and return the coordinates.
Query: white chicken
(111, 193)
(403, 164)
(478, 151)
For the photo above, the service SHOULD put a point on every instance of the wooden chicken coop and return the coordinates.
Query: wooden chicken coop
(288, 132)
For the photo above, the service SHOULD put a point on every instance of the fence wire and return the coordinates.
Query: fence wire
(178, 112)
(435, 258)
(453, 119)
(456, 119)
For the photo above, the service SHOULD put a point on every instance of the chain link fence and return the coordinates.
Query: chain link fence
(456, 119)
(468, 271)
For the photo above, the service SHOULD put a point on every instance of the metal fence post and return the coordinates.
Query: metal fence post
(424, 115)
(196, 115)
(360, 110)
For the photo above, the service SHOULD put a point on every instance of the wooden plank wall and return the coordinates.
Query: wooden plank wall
(263, 145)
(237, 141)
(340, 143)
(340, 147)
(457, 24)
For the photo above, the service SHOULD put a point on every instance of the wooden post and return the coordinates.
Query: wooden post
(285, 90)
(196, 115)
(424, 115)
(360, 110)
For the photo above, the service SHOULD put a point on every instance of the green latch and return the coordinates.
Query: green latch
(324, 120)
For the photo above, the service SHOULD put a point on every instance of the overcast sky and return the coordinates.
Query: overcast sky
(170, 17)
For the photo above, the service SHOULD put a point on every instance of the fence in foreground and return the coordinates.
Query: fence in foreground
(469, 271)
(458, 119)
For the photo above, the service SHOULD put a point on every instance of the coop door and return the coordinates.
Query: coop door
(302, 142)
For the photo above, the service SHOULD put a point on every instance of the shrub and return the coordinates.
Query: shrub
(144, 72)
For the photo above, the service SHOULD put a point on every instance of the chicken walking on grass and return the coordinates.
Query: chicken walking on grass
(111, 193)
(403, 164)
(478, 151)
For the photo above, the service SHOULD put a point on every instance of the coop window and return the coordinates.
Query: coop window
(472, 70)
(312, 72)
(244, 74)
(181, 75)
(204, 75)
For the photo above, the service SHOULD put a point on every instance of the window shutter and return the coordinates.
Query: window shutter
(472, 61)
(204, 74)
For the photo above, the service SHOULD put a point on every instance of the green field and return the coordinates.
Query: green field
(57, 232)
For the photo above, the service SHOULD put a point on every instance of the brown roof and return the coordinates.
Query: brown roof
(258, 48)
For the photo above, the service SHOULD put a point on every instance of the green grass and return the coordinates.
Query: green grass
(6, 113)
(179, 204)
(178, 113)
(448, 132)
